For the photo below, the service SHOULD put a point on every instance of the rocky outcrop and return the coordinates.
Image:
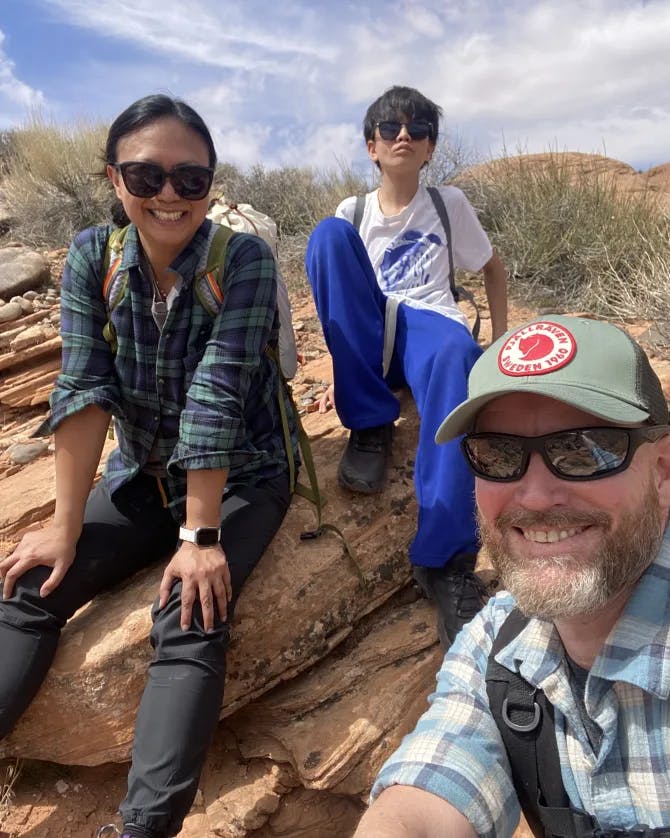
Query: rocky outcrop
(21, 269)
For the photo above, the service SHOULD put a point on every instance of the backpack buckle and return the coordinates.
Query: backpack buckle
(520, 727)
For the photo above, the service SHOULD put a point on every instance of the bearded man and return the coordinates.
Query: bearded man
(554, 698)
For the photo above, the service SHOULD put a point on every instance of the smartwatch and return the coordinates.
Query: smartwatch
(202, 536)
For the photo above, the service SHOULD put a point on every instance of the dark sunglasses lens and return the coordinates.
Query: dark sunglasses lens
(494, 457)
(192, 182)
(389, 130)
(418, 130)
(144, 180)
(587, 453)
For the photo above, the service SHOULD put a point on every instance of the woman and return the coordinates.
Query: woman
(200, 473)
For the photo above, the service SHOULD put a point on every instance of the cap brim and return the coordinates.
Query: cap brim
(462, 418)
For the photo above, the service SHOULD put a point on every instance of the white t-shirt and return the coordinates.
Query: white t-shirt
(409, 253)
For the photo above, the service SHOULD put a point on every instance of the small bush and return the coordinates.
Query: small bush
(571, 239)
(296, 198)
(51, 185)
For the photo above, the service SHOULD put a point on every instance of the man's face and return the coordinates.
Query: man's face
(566, 548)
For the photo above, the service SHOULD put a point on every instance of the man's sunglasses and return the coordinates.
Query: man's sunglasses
(578, 454)
(145, 180)
(389, 130)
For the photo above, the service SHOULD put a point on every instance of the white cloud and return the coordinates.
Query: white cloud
(290, 81)
(17, 99)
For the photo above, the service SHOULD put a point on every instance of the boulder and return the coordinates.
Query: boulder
(304, 600)
(21, 269)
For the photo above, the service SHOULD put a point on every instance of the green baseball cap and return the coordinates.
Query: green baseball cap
(589, 364)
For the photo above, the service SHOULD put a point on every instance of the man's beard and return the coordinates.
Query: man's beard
(567, 585)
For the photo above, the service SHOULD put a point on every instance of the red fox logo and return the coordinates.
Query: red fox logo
(534, 347)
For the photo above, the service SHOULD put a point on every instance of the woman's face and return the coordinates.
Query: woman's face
(166, 222)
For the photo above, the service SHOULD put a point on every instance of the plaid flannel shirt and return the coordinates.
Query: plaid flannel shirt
(456, 751)
(203, 388)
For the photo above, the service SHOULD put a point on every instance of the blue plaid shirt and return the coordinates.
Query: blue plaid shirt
(456, 752)
(203, 390)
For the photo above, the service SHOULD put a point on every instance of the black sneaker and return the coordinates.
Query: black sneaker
(457, 592)
(363, 464)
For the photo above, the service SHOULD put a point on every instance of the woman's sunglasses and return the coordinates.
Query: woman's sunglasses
(389, 129)
(145, 180)
(578, 454)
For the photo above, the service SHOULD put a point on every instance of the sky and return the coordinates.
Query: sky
(287, 82)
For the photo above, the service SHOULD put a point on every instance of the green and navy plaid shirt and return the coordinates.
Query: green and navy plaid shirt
(203, 389)
(456, 751)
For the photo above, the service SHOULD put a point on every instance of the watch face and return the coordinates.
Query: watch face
(207, 536)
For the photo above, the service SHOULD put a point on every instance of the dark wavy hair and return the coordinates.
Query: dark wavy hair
(398, 103)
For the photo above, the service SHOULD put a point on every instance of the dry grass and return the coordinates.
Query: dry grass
(574, 241)
(12, 774)
(52, 183)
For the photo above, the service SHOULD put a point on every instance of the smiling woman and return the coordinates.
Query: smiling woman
(200, 474)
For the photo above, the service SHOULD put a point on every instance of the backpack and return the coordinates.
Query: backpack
(458, 291)
(243, 218)
(208, 288)
(525, 719)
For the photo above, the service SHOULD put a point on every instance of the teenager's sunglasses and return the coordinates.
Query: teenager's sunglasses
(577, 454)
(145, 180)
(389, 129)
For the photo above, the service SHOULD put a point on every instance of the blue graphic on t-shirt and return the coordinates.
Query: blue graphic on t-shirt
(406, 260)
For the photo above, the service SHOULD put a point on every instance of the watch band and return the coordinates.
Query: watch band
(202, 536)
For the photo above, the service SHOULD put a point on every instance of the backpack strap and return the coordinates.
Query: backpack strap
(359, 209)
(114, 282)
(458, 292)
(525, 720)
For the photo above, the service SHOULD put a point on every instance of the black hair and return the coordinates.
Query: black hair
(398, 103)
(148, 110)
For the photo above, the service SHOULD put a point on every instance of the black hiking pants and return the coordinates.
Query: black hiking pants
(182, 699)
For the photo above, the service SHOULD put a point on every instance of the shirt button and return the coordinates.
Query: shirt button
(156, 418)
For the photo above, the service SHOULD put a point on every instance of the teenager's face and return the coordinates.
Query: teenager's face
(401, 154)
(166, 222)
(566, 548)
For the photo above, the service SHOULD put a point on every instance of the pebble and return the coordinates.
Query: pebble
(10, 311)
(62, 786)
(25, 452)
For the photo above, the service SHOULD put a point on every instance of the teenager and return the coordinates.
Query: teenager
(389, 318)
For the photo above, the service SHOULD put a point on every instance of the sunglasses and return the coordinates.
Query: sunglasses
(389, 129)
(145, 180)
(578, 454)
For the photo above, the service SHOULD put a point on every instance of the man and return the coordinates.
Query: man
(567, 434)
(389, 317)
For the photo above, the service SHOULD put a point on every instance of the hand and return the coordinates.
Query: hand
(204, 575)
(327, 400)
(47, 547)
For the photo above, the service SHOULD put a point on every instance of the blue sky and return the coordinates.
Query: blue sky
(286, 82)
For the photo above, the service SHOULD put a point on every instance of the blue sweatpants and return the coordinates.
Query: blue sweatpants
(432, 355)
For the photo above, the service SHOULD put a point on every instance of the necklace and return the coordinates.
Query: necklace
(159, 294)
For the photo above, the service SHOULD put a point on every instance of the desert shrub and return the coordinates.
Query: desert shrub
(52, 185)
(451, 157)
(297, 198)
(572, 239)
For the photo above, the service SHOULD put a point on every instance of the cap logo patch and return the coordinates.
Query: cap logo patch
(536, 349)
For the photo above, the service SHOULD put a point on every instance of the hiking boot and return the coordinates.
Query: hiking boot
(363, 464)
(457, 592)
